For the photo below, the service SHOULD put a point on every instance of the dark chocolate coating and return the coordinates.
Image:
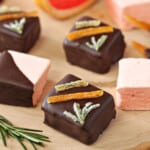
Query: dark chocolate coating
(20, 42)
(15, 88)
(77, 53)
(96, 121)
(147, 53)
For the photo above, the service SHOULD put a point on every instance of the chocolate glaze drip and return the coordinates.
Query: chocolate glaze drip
(77, 53)
(19, 42)
(15, 88)
(96, 121)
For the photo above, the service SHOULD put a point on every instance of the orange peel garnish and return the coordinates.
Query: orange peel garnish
(75, 96)
(140, 48)
(137, 23)
(18, 15)
(74, 35)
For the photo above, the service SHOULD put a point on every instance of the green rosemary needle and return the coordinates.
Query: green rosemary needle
(16, 26)
(97, 44)
(80, 114)
(7, 129)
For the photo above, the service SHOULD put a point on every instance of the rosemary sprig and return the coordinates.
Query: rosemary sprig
(16, 26)
(7, 129)
(70, 85)
(96, 44)
(87, 23)
(81, 114)
(10, 9)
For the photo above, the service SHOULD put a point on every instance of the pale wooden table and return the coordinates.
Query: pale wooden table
(127, 130)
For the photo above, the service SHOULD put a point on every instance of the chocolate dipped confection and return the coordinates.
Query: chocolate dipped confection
(19, 30)
(148, 53)
(21, 78)
(78, 109)
(94, 46)
(143, 50)
(129, 13)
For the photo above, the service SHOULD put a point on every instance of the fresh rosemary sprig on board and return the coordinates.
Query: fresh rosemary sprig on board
(7, 129)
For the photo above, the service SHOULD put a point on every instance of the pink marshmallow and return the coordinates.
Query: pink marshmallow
(133, 85)
(139, 9)
(35, 69)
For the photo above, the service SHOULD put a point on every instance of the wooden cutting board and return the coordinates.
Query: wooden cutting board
(128, 129)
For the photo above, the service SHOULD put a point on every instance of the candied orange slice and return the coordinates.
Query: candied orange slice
(74, 35)
(140, 48)
(42, 4)
(137, 23)
(75, 96)
(61, 8)
(37, 2)
(142, 146)
(18, 15)
(66, 4)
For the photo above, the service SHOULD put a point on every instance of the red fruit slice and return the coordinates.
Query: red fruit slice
(66, 4)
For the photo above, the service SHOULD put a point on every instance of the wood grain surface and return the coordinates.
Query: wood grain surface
(129, 128)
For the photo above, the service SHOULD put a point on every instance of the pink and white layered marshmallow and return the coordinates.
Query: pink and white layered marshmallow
(133, 85)
(119, 9)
